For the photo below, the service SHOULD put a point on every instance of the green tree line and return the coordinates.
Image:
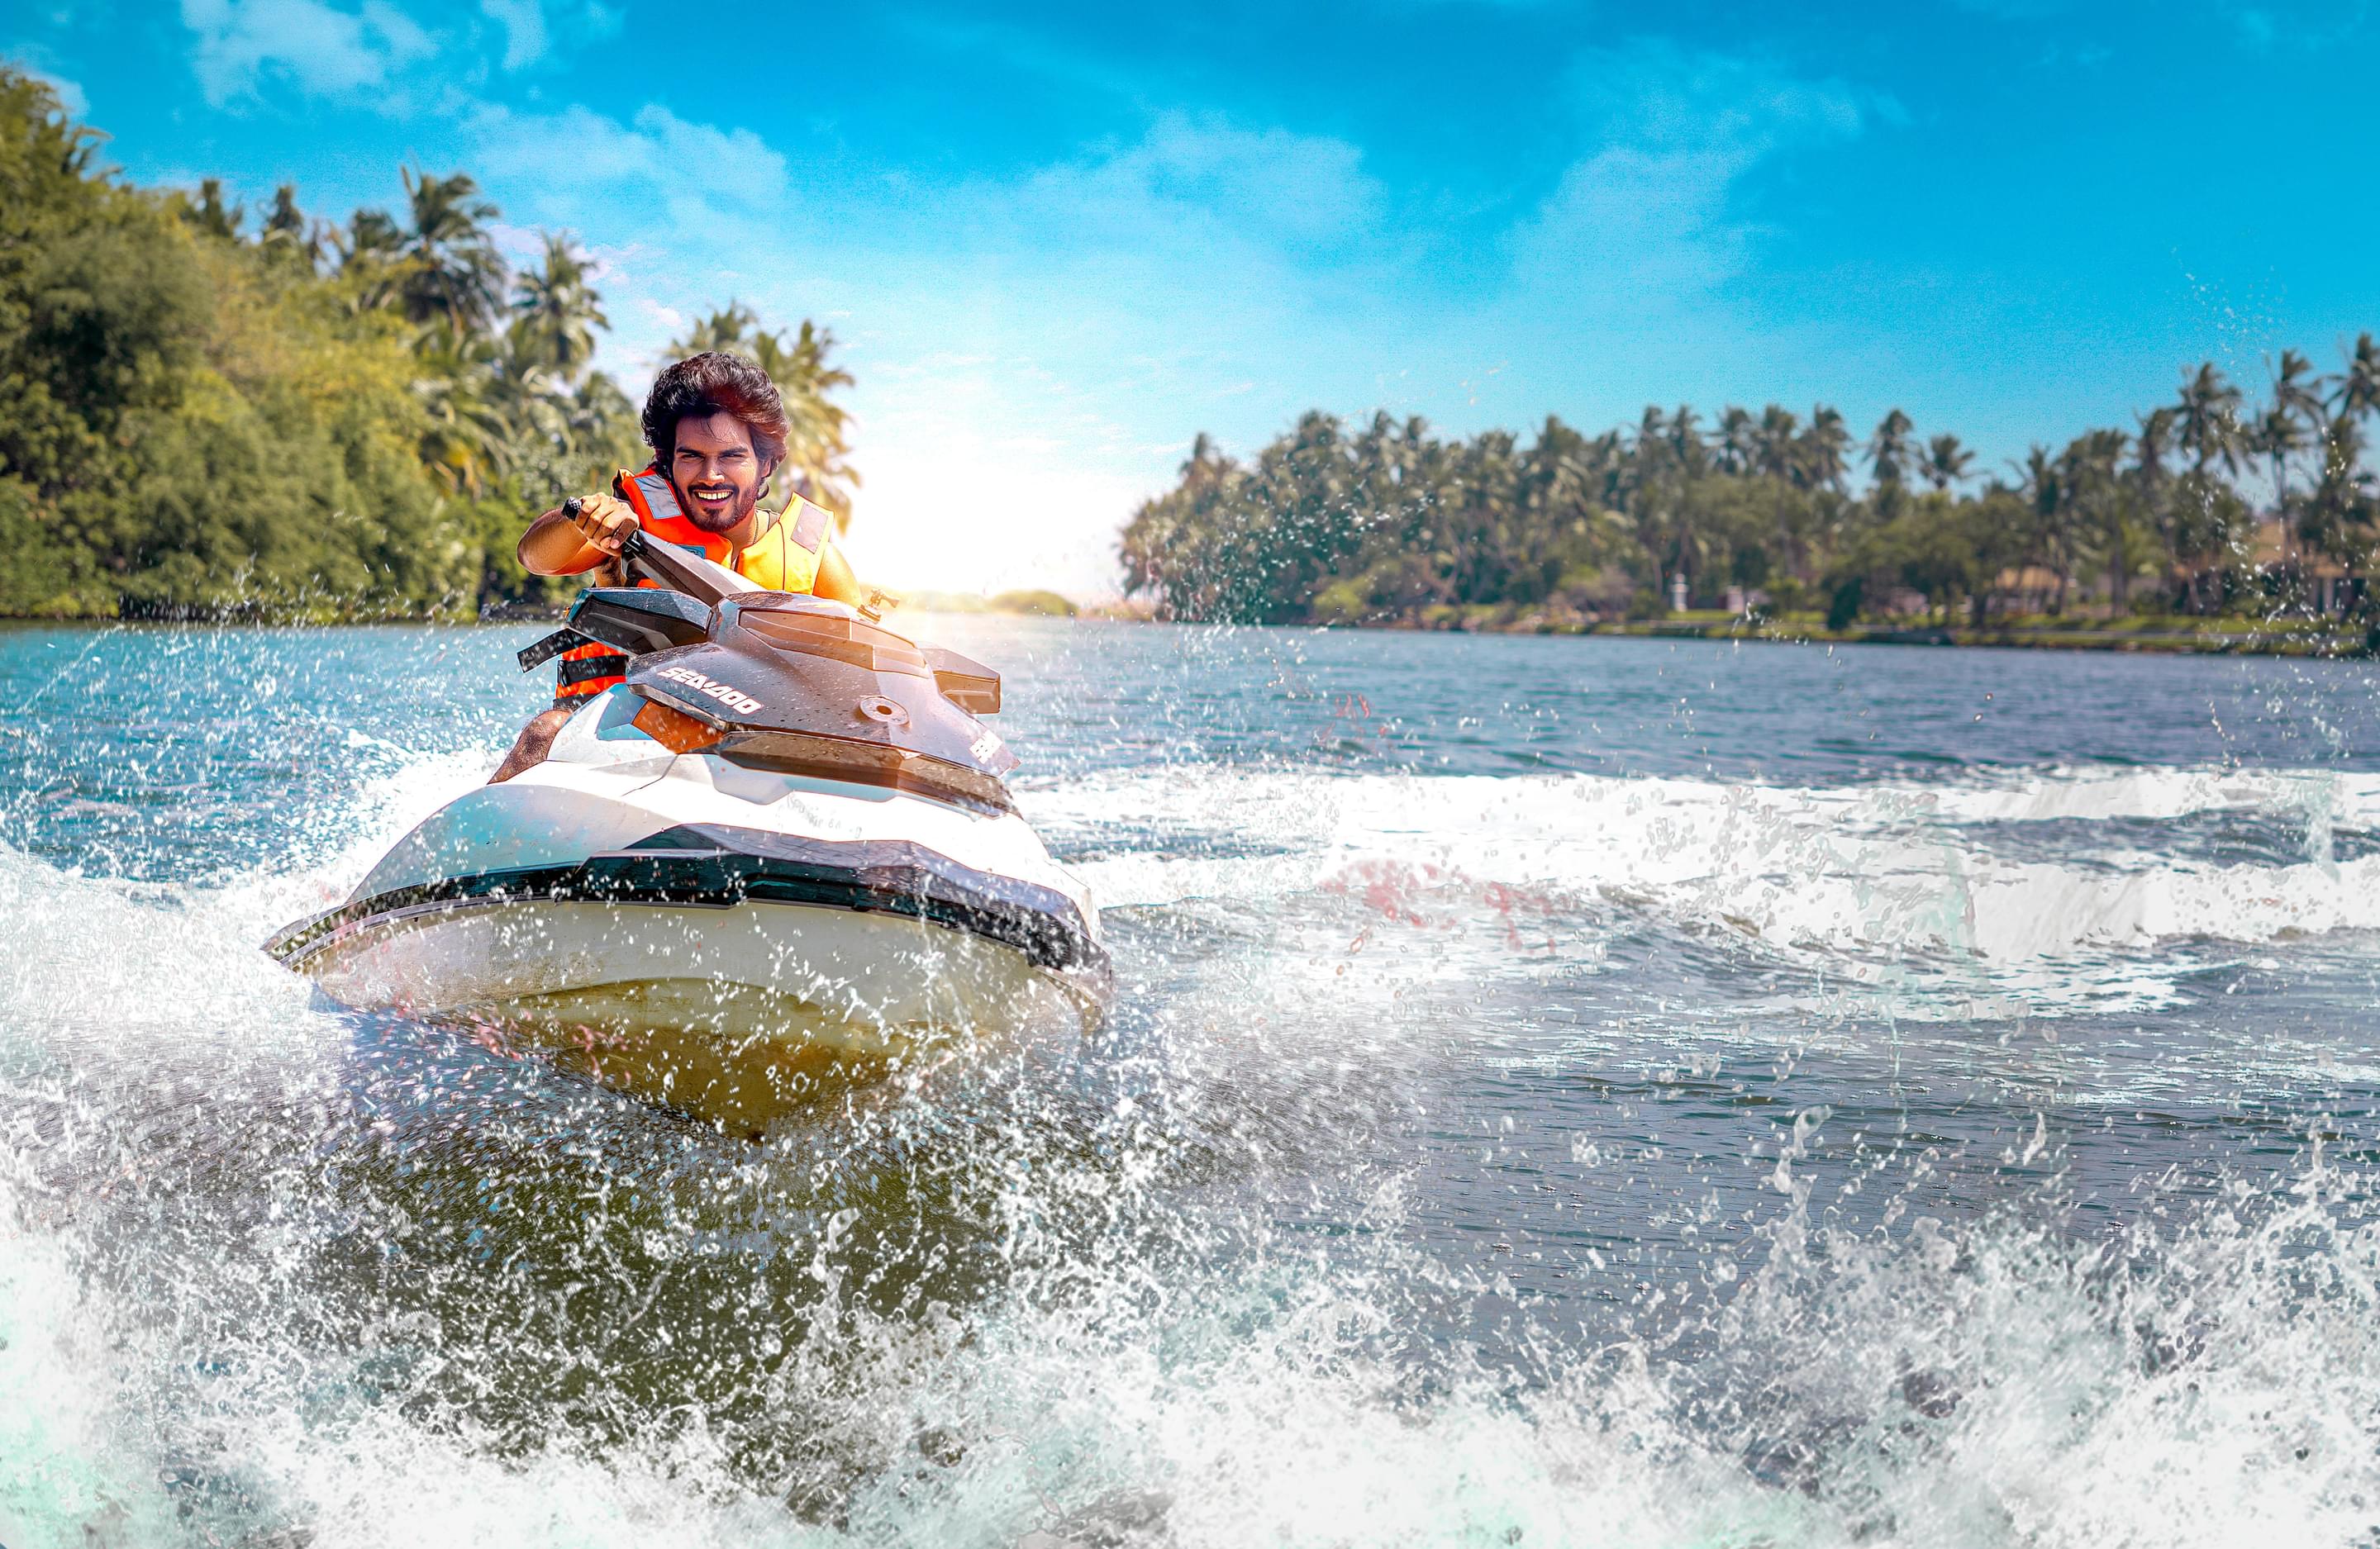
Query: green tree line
(1386, 523)
(206, 411)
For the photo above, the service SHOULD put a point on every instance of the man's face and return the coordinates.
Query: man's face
(716, 471)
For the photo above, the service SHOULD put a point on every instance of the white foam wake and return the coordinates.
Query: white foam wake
(2100, 793)
(1863, 874)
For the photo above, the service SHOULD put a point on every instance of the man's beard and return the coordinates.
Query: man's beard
(700, 514)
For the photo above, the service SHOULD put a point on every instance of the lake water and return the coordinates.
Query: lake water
(1560, 1092)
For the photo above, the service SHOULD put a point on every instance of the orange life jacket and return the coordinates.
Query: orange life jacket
(651, 496)
(784, 558)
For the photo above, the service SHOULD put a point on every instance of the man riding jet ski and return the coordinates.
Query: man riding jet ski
(767, 851)
(717, 426)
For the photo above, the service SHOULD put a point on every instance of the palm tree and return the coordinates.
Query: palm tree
(2276, 437)
(602, 423)
(1887, 450)
(370, 237)
(1642, 456)
(1652, 443)
(1738, 441)
(1686, 441)
(468, 439)
(2296, 388)
(212, 215)
(818, 447)
(453, 270)
(2341, 509)
(2095, 510)
(2153, 444)
(370, 260)
(1947, 462)
(2209, 426)
(557, 308)
(728, 329)
(2207, 431)
(286, 231)
(2152, 481)
(1779, 454)
(530, 399)
(1826, 449)
(2358, 392)
(2039, 480)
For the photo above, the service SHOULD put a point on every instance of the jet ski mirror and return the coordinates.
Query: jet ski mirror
(637, 620)
(963, 681)
(631, 619)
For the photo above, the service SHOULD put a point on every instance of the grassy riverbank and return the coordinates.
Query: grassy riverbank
(2159, 634)
(1012, 604)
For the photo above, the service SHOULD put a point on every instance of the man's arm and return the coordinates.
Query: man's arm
(836, 582)
(560, 544)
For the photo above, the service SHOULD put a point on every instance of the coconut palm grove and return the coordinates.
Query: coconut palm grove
(2210, 504)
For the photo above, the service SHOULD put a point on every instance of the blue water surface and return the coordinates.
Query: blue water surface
(1558, 1090)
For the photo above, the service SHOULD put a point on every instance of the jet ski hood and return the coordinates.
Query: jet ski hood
(800, 685)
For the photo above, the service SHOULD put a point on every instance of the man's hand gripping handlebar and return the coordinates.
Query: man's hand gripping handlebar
(605, 521)
(698, 577)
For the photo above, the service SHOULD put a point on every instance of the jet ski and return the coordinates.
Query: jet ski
(779, 859)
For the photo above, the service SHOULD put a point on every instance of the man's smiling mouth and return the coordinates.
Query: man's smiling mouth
(716, 497)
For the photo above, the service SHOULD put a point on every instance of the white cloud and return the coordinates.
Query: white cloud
(734, 165)
(1654, 209)
(543, 31)
(561, 152)
(524, 25)
(1197, 174)
(579, 151)
(322, 50)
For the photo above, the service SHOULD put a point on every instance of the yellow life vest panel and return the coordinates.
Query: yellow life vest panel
(787, 557)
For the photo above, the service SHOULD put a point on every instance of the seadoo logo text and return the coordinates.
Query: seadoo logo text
(743, 703)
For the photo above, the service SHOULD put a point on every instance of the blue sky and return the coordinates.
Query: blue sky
(1057, 242)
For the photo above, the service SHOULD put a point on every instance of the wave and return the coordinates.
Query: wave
(2100, 793)
(1985, 1384)
(1908, 892)
(1837, 879)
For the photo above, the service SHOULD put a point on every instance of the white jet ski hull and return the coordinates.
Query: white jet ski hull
(721, 939)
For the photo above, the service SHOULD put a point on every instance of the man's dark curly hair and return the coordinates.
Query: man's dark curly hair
(716, 383)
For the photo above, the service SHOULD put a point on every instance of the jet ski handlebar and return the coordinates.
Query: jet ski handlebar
(675, 568)
(693, 597)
